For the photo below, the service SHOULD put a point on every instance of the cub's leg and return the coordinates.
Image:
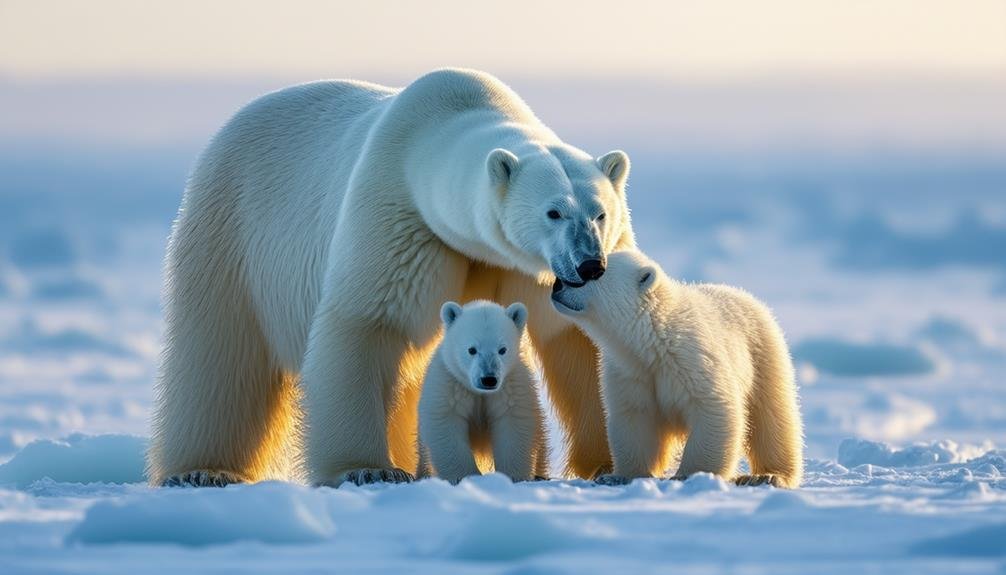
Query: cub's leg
(635, 430)
(450, 451)
(775, 443)
(714, 441)
(514, 447)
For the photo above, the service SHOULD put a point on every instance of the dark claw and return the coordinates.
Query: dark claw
(612, 480)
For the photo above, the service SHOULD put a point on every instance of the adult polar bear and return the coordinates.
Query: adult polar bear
(320, 233)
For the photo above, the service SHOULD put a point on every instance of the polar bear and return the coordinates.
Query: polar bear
(479, 401)
(319, 233)
(703, 366)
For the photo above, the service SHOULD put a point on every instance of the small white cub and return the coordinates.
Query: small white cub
(703, 366)
(479, 401)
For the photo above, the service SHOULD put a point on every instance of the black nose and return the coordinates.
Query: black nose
(488, 382)
(590, 270)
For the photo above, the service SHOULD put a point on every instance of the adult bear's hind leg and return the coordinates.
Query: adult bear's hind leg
(571, 374)
(222, 411)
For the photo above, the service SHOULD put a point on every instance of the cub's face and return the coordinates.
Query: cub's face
(482, 342)
(563, 208)
(626, 289)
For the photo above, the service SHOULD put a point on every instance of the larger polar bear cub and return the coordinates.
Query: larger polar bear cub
(320, 232)
(705, 366)
(479, 401)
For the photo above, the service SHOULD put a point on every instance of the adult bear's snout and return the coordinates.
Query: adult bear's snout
(590, 270)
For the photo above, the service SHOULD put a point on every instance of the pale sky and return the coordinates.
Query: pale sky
(48, 39)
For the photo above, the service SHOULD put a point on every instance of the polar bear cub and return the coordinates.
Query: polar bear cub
(702, 365)
(479, 402)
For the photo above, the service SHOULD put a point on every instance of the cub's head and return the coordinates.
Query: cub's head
(482, 342)
(564, 209)
(630, 287)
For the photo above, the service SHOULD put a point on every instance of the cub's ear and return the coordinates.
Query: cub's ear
(449, 313)
(647, 277)
(615, 166)
(518, 313)
(501, 165)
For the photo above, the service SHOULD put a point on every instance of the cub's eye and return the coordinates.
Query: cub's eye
(600, 218)
(471, 351)
(553, 214)
(502, 350)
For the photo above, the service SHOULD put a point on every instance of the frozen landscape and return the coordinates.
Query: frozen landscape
(886, 269)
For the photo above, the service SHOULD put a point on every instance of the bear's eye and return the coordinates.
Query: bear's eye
(502, 350)
(553, 214)
(471, 351)
(600, 218)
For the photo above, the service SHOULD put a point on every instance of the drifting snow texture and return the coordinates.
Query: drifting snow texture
(840, 357)
(270, 513)
(78, 459)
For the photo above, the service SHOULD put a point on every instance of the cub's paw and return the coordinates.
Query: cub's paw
(612, 480)
(204, 478)
(374, 475)
(760, 479)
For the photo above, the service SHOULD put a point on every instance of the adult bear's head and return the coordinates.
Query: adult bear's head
(563, 207)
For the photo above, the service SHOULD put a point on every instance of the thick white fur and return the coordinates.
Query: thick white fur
(460, 424)
(320, 231)
(699, 366)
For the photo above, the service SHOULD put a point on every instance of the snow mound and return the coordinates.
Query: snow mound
(783, 502)
(843, 358)
(78, 459)
(855, 452)
(272, 512)
(500, 534)
(703, 482)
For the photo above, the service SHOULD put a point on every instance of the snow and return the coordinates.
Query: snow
(885, 270)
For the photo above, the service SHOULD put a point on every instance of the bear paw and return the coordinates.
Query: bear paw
(374, 475)
(760, 479)
(203, 478)
(606, 469)
(611, 479)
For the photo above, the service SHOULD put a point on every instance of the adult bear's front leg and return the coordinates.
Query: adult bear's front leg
(349, 386)
(376, 320)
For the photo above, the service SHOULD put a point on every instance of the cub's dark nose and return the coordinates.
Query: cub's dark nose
(489, 382)
(590, 270)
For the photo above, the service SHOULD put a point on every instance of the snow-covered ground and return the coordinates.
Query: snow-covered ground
(888, 273)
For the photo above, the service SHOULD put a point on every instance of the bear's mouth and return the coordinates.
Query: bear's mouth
(560, 283)
(564, 305)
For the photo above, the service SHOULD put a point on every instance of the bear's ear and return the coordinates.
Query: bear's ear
(615, 166)
(518, 313)
(449, 313)
(647, 277)
(501, 165)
